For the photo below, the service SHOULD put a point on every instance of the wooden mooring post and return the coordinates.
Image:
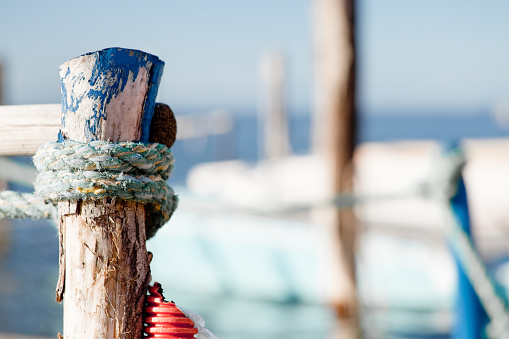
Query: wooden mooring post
(104, 264)
(4, 223)
(335, 139)
(1, 83)
(273, 127)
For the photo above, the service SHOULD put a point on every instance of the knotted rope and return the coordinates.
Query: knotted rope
(73, 170)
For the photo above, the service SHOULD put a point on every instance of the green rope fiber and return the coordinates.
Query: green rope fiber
(121, 157)
(17, 205)
(74, 170)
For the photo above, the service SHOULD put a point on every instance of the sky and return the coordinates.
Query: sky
(420, 55)
(212, 50)
(413, 56)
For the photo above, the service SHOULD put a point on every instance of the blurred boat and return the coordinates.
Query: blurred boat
(246, 232)
(258, 231)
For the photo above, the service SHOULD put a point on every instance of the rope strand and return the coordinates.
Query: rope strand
(73, 170)
(17, 205)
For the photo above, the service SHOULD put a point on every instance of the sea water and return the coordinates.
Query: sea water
(244, 141)
(29, 249)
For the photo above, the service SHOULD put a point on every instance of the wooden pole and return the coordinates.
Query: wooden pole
(1, 83)
(273, 108)
(23, 128)
(335, 138)
(104, 264)
(4, 223)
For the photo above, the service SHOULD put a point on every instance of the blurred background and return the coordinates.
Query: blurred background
(255, 246)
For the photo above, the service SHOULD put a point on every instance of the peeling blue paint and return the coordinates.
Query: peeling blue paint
(115, 64)
(60, 137)
(156, 73)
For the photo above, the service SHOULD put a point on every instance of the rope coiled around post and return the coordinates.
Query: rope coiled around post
(132, 171)
(121, 157)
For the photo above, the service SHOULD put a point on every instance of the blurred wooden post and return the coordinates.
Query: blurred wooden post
(1, 83)
(4, 223)
(104, 264)
(272, 106)
(335, 138)
(5, 228)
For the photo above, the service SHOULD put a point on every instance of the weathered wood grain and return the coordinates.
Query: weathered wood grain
(23, 128)
(105, 269)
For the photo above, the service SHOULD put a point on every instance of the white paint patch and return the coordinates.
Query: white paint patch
(123, 112)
